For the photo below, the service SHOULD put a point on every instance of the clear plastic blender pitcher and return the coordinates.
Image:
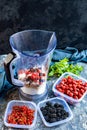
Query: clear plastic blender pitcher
(32, 53)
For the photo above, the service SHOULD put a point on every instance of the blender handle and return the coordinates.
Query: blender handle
(9, 71)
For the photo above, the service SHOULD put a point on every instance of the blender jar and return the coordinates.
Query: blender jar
(32, 51)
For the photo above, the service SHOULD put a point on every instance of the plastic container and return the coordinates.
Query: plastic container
(20, 103)
(55, 100)
(69, 99)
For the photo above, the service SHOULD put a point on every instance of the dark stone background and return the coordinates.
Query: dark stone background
(68, 18)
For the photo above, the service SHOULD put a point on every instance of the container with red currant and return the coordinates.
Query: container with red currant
(71, 87)
(20, 114)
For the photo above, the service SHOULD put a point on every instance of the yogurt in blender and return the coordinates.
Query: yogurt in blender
(34, 80)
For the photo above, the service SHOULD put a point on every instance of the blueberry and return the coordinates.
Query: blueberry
(13, 66)
(41, 80)
(40, 74)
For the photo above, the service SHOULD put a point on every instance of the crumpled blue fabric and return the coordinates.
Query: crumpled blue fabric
(4, 84)
(72, 53)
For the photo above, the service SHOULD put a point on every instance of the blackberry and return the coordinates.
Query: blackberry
(46, 108)
(53, 115)
(49, 104)
(52, 120)
(56, 105)
(63, 117)
(61, 106)
(66, 114)
(47, 118)
(42, 108)
(44, 112)
(58, 110)
(54, 112)
(58, 118)
(62, 111)
(59, 114)
(51, 110)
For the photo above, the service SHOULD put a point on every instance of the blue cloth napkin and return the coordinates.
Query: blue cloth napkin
(4, 84)
(72, 53)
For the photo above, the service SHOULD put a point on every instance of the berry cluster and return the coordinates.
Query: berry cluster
(72, 87)
(54, 112)
(33, 76)
(21, 115)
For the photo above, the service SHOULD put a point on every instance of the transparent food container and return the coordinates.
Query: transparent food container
(68, 98)
(10, 105)
(53, 101)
